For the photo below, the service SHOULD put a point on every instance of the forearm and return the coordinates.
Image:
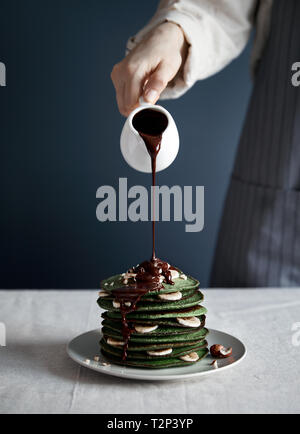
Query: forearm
(216, 31)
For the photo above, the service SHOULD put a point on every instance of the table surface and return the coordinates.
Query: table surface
(36, 375)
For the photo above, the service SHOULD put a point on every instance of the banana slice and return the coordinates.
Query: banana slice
(191, 357)
(160, 352)
(116, 304)
(114, 342)
(145, 329)
(171, 296)
(103, 293)
(191, 321)
(174, 274)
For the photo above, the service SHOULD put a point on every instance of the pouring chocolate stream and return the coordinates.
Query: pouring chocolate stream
(149, 275)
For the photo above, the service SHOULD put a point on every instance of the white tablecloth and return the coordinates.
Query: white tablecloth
(36, 375)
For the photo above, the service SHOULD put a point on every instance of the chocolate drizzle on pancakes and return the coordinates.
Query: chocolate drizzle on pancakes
(150, 320)
(150, 124)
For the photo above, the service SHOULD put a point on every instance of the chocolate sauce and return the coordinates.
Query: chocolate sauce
(149, 275)
(150, 125)
(131, 293)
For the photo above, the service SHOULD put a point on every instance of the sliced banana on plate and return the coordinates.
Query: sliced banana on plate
(183, 276)
(116, 304)
(103, 294)
(164, 352)
(174, 274)
(114, 342)
(191, 357)
(191, 321)
(171, 296)
(145, 328)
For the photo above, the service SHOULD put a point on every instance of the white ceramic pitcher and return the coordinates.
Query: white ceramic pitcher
(134, 149)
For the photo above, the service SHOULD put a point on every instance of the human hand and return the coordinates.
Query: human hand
(149, 67)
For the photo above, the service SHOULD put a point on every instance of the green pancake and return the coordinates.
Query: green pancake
(165, 322)
(140, 339)
(177, 352)
(183, 313)
(116, 326)
(144, 306)
(154, 298)
(154, 364)
(179, 284)
(135, 346)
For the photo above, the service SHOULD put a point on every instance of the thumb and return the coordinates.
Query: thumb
(156, 83)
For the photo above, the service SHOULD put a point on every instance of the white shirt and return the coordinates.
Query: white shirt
(216, 30)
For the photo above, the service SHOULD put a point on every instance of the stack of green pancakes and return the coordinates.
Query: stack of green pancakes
(168, 325)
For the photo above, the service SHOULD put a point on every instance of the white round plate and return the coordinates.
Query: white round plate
(85, 347)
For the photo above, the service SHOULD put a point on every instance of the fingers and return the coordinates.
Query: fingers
(120, 98)
(133, 90)
(119, 85)
(128, 82)
(157, 58)
(133, 78)
(157, 82)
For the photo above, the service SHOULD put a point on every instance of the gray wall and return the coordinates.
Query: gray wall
(59, 136)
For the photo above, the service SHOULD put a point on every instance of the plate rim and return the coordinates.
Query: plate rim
(143, 376)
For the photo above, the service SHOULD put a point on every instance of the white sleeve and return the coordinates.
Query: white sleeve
(216, 30)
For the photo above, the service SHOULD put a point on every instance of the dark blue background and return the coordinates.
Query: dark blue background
(59, 134)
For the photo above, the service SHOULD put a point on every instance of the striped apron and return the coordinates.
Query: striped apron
(259, 238)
